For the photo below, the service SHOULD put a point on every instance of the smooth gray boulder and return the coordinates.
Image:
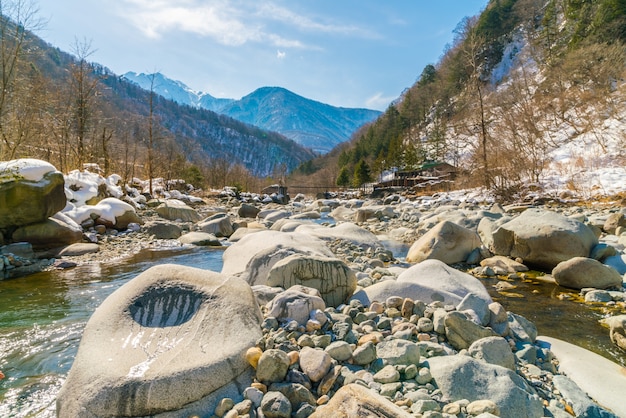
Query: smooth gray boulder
(463, 332)
(202, 239)
(428, 281)
(247, 211)
(331, 276)
(26, 199)
(543, 238)
(163, 343)
(463, 377)
(252, 257)
(54, 232)
(174, 209)
(219, 226)
(162, 229)
(346, 231)
(446, 241)
(580, 272)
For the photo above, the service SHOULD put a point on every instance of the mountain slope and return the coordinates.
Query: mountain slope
(312, 124)
(525, 83)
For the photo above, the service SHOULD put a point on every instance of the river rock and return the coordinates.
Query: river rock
(463, 377)
(331, 276)
(543, 238)
(52, 233)
(315, 363)
(295, 392)
(521, 328)
(476, 307)
(354, 400)
(220, 226)
(295, 303)
(503, 265)
(174, 209)
(398, 351)
(78, 249)
(580, 272)
(272, 366)
(613, 221)
(252, 257)
(364, 354)
(247, 211)
(31, 191)
(493, 350)
(462, 332)
(163, 229)
(200, 239)
(447, 242)
(163, 342)
(428, 281)
(276, 405)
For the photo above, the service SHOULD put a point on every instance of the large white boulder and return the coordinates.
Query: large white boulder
(446, 241)
(428, 281)
(543, 238)
(164, 342)
(331, 276)
(580, 272)
(346, 231)
(252, 257)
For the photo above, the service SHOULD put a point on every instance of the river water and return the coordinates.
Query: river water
(42, 317)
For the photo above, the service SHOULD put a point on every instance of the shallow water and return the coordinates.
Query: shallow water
(42, 317)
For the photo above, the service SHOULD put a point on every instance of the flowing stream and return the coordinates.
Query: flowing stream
(42, 317)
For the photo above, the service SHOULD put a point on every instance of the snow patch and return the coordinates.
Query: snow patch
(26, 168)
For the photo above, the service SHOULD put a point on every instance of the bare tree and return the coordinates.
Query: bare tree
(84, 90)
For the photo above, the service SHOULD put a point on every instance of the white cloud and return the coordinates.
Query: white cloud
(280, 54)
(378, 101)
(227, 22)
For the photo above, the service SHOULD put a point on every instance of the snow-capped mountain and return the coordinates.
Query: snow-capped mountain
(312, 124)
(176, 91)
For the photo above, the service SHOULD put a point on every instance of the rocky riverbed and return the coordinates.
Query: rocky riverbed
(388, 347)
(312, 316)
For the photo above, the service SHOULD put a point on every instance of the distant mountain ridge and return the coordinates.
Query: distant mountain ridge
(312, 124)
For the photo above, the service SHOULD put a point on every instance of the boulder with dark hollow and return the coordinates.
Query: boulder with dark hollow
(164, 342)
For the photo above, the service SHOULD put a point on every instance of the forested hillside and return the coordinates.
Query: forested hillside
(67, 110)
(520, 80)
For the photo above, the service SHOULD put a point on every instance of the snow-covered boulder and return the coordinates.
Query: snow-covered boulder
(110, 212)
(30, 192)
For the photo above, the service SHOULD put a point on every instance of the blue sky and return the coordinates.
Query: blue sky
(350, 53)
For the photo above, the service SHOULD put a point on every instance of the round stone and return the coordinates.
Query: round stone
(272, 366)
